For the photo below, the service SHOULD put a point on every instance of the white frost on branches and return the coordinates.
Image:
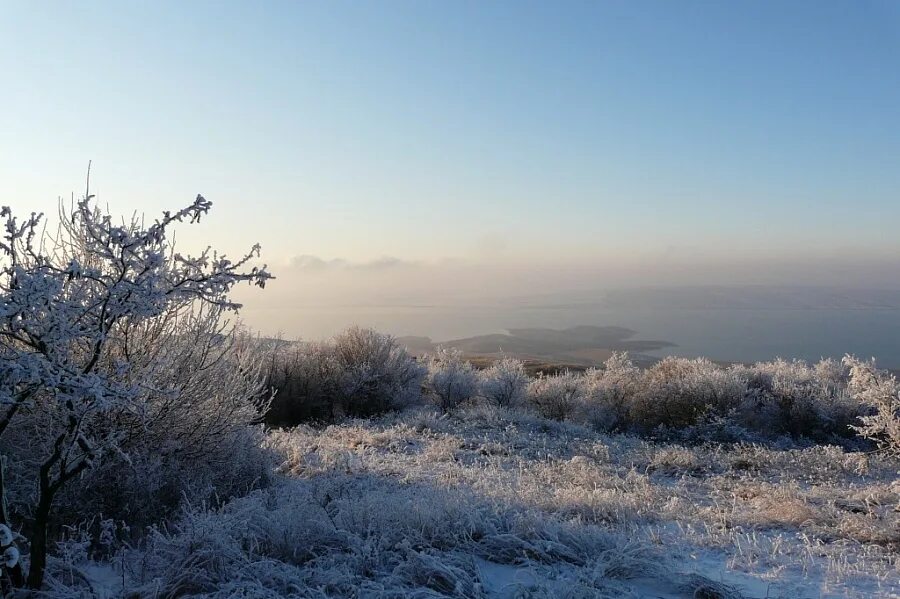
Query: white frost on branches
(504, 383)
(881, 391)
(451, 379)
(94, 322)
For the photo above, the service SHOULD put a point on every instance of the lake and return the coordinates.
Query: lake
(730, 334)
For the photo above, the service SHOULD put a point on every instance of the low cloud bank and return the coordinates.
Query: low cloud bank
(317, 296)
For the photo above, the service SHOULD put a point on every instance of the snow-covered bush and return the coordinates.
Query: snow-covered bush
(677, 392)
(831, 375)
(358, 373)
(375, 374)
(557, 397)
(504, 383)
(303, 377)
(880, 391)
(153, 482)
(451, 380)
(792, 398)
(610, 391)
(108, 335)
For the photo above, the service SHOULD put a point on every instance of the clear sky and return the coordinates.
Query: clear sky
(622, 134)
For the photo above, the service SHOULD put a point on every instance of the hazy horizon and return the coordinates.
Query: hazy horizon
(408, 154)
(726, 323)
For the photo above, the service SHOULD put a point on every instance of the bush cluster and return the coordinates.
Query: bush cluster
(358, 373)
(199, 442)
(361, 373)
(767, 399)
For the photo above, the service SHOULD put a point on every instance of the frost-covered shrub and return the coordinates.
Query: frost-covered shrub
(504, 383)
(451, 380)
(374, 373)
(150, 486)
(109, 342)
(781, 396)
(200, 444)
(610, 391)
(557, 397)
(303, 376)
(358, 373)
(677, 392)
(793, 398)
(880, 391)
(831, 375)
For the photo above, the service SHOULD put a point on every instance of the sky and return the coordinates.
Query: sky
(425, 148)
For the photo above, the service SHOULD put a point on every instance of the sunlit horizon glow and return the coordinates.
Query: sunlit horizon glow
(372, 146)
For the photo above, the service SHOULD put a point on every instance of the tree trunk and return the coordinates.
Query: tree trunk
(38, 549)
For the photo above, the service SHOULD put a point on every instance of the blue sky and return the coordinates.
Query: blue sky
(489, 132)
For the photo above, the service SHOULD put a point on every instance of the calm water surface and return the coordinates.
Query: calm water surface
(722, 334)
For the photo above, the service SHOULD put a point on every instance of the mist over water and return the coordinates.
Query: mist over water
(754, 335)
(741, 325)
(734, 311)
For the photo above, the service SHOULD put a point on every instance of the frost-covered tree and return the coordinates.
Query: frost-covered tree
(504, 383)
(451, 379)
(879, 390)
(80, 313)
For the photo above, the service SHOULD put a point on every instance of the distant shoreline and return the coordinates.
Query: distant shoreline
(576, 347)
(550, 350)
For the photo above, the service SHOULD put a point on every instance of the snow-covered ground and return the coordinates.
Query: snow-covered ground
(492, 503)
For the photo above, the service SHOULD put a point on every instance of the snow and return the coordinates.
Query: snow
(499, 503)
